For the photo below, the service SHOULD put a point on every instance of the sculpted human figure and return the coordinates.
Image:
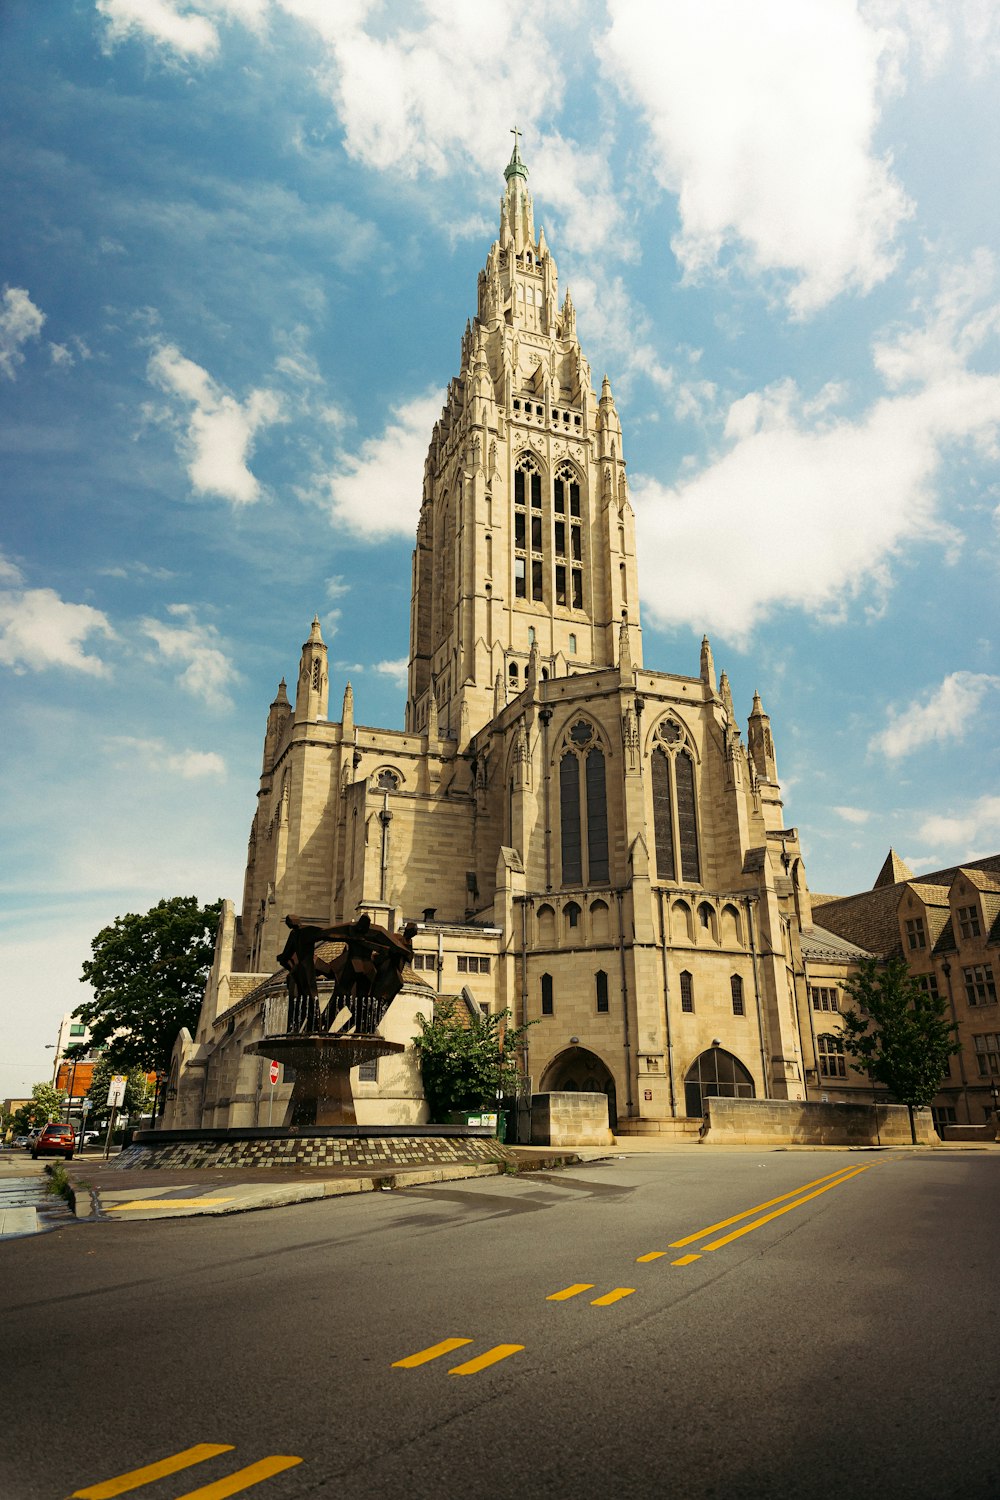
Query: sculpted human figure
(298, 958)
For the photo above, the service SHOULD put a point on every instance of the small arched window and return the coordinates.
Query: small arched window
(546, 925)
(571, 913)
(736, 985)
(687, 992)
(547, 1001)
(601, 987)
(572, 644)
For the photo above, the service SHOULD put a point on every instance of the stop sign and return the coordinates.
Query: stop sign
(274, 1072)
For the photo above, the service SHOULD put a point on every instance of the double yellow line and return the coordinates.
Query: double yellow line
(798, 1196)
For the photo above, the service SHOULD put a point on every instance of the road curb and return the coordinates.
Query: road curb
(87, 1201)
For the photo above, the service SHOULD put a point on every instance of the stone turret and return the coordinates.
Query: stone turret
(277, 717)
(759, 742)
(312, 690)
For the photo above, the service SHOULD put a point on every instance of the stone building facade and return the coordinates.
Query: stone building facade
(584, 841)
(946, 925)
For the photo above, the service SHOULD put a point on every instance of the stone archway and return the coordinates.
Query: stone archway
(715, 1074)
(580, 1070)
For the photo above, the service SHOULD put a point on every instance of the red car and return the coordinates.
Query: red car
(55, 1140)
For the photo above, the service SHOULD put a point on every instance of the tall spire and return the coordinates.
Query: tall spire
(517, 222)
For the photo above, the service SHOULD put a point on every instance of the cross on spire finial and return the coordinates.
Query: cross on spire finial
(515, 167)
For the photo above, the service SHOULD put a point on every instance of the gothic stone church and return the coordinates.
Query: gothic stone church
(582, 840)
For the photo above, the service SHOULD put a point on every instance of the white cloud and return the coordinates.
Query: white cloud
(949, 713)
(208, 670)
(377, 492)
(762, 120)
(397, 671)
(219, 435)
(20, 320)
(186, 31)
(190, 765)
(967, 835)
(39, 630)
(805, 509)
(856, 815)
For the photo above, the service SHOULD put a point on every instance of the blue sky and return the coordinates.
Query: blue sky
(241, 243)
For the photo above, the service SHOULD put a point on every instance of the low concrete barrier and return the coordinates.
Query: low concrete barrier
(988, 1132)
(766, 1122)
(570, 1119)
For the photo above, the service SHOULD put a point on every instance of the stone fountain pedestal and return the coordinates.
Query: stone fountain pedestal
(322, 1093)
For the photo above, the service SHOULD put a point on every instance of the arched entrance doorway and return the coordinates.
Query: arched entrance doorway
(715, 1074)
(579, 1070)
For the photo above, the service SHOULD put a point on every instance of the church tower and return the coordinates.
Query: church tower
(526, 537)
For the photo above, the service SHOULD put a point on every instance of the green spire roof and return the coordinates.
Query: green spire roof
(515, 167)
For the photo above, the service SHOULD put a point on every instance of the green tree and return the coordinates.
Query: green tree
(148, 973)
(46, 1104)
(900, 1034)
(138, 1092)
(467, 1061)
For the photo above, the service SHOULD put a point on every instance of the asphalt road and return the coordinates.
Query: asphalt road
(846, 1345)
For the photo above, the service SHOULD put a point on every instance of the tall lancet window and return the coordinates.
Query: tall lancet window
(583, 807)
(568, 538)
(675, 805)
(528, 530)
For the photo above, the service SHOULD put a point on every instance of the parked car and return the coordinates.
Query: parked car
(32, 1137)
(90, 1136)
(20, 1140)
(55, 1140)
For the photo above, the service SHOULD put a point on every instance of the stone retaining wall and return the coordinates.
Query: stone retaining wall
(570, 1119)
(763, 1122)
(316, 1149)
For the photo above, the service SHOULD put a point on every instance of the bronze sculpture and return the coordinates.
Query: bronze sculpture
(367, 973)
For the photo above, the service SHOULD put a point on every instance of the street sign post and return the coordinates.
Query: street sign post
(273, 1075)
(116, 1098)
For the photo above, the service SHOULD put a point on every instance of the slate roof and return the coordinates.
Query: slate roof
(821, 945)
(870, 918)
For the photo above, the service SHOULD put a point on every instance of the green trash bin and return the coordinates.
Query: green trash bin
(489, 1117)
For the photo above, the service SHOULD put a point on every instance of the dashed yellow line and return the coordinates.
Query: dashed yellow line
(571, 1291)
(641, 1260)
(615, 1296)
(424, 1356)
(483, 1361)
(685, 1260)
(233, 1484)
(833, 1179)
(135, 1478)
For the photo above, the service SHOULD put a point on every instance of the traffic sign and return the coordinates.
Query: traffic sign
(274, 1072)
(116, 1092)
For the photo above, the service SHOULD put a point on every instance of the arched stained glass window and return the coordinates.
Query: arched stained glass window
(687, 818)
(569, 819)
(663, 816)
(597, 817)
(583, 808)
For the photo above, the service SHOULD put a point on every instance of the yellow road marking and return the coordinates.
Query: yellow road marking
(653, 1255)
(766, 1219)
(735, 1219)
(165, 1203)
(685, 1260)
(434, 1352)
(482, 1361)
(571, 1291)
(136, 1477)
(615, 1296)
(243, 1478)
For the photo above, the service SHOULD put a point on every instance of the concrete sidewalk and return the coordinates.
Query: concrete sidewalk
(103, 1191)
